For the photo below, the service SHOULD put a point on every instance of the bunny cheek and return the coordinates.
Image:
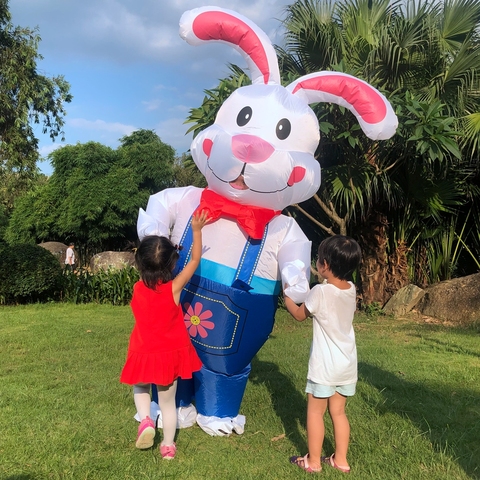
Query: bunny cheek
(207, 147)
(297, 175)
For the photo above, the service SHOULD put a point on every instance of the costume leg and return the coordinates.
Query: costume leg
(166, 400)
(218, 398)
(185, 392)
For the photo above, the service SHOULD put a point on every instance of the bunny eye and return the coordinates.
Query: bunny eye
(284, 127)
(244, 116)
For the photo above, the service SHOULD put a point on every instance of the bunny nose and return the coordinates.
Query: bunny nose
(251, 149)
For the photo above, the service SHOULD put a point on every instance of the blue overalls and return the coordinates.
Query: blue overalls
(239, 322)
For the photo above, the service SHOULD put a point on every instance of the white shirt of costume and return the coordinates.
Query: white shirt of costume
(285, 256)
(70, 255)
(333, 354)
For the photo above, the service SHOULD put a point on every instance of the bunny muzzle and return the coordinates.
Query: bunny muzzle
(251, 149)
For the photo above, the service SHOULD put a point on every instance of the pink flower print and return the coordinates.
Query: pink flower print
(196, 320)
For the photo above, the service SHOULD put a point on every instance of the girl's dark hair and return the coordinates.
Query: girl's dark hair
(155, 259)
(342, 254)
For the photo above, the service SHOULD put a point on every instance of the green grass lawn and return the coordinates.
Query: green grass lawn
(64, 414)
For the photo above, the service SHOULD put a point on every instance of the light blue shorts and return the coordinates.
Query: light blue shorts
(327, 391)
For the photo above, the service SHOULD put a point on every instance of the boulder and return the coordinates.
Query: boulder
(57, 249)
(404, 300)
(116, 260)
(456, 300)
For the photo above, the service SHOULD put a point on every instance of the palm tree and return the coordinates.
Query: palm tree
(424, 56)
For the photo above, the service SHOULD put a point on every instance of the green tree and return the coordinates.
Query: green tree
(186, 173)
(26, 98)
(94, 194)
(150, 159)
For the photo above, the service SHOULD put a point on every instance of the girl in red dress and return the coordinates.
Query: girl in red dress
(160, 349)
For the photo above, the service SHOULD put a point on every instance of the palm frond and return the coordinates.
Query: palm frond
(460, 18)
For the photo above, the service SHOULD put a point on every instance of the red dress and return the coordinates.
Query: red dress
(160, 349)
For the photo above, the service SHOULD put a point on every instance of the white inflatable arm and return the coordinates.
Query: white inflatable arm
(162, 210)
(294, 263)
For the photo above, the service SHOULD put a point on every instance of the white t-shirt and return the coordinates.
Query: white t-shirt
(333, 354)
(70, 255)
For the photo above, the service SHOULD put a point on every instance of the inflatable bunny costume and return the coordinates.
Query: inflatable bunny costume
(258, 158)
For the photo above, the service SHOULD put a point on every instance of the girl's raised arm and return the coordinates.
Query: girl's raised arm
(199, 220)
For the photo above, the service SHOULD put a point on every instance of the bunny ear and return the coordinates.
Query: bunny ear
(217, 24)
(372, 109)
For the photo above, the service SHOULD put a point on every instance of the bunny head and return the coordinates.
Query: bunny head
(260, 150)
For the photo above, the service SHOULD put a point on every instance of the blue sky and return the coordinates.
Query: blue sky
(127, 66)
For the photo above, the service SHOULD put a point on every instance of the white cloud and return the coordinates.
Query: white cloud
(123, 31)
(101, 125)
(45, 150)
(152, 104)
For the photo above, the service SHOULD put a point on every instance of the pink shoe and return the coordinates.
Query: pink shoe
(302, 462)
(168, 451)
(146, 433)
(330, 461)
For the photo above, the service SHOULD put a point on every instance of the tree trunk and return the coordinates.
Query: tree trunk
(421, 267)
(397, 270)
(374, 269)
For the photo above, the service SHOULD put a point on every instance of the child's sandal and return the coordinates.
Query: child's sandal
(302, 462)
(330, 461)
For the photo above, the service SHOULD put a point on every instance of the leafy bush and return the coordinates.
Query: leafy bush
(113, 286)
(28, 273)
(373, 309)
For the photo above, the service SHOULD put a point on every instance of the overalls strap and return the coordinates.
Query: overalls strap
(246, 265)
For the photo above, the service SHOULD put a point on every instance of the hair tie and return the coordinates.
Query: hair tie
(178, 248)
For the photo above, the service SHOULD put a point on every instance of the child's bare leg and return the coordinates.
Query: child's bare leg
(166, 401)
(316, 408)
(341, 427)
(141, 397)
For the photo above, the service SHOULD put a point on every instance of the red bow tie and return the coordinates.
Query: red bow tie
(251, 219)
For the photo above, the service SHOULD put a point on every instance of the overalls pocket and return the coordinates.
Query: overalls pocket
(227, 325)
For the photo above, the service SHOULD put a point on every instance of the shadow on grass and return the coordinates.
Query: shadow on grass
(289, 404)
(450, 419)
(446, 346)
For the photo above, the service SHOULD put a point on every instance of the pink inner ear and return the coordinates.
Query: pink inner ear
(207, 146)
(363, 97)
(296, 176)
(223, 26)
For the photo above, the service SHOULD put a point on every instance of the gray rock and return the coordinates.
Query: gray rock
(116, 260)
(456, 300)
(404, 300)
(58, 249)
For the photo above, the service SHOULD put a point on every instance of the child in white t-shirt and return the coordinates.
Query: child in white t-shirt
(332, 367)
